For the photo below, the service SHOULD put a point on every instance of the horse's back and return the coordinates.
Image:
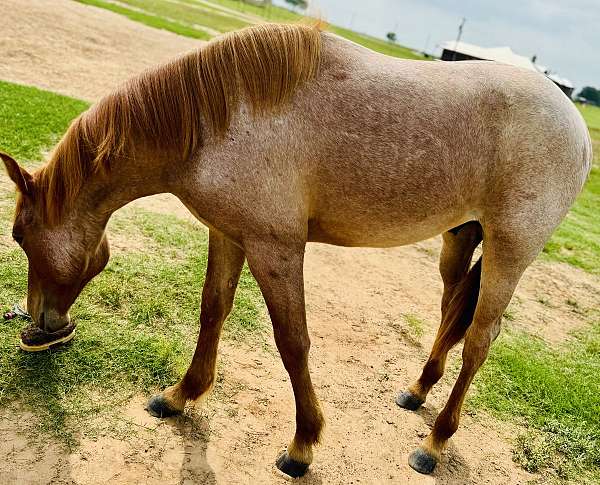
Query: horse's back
(407, 149)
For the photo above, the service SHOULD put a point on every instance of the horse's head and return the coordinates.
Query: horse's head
(62, 257)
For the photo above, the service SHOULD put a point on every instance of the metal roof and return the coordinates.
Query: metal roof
(504, 55)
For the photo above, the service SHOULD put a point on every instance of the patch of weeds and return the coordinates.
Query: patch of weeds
(575, 307)
(509, 315)
(533, 451)
(544, 301)
(545, 451)
(416, 324)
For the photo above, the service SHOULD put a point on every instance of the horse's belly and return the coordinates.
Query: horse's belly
(365, 231)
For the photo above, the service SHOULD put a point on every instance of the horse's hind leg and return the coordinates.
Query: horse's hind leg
(225, 262)
(503, 262)
(455, 261)
(278, 269)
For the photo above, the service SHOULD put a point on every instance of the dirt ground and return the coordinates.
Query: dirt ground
(362, 352)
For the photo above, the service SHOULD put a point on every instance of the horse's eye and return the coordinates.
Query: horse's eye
(18, 238)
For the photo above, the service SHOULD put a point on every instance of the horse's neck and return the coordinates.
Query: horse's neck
(129, 178)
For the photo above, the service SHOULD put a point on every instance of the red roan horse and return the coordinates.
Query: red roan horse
(279, 135)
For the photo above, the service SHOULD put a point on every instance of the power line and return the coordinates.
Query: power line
(460, 31)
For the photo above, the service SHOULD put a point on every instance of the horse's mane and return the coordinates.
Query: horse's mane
(175, 105)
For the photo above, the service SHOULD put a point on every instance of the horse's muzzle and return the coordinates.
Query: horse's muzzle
(51, 321)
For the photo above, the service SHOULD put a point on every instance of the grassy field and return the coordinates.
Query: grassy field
(592, 118)
(577, 240)
(554, 394)
(271, 13)
(150, 19)
(199, 18)
(33, 120)
(137, 321)
(277, 14)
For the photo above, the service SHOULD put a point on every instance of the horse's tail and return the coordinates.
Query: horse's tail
(461, 306)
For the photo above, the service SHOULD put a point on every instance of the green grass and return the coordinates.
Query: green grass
(415, 323)
(271, 13)
(190, 13)
(554, 393)
(137, 321)
(188, 17)
(577, 240)
(33, 119)
(150, 20)
(378, 45)
(591, 115)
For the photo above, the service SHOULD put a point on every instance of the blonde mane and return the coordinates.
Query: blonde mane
(173, 106)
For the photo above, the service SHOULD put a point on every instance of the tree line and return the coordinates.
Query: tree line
(592, 95)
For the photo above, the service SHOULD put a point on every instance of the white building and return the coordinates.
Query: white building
(462, 51)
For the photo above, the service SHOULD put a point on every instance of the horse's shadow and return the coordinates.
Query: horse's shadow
(453, 468)
(194, 429)
(195, 433)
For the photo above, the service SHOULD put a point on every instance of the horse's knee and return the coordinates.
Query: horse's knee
(216, 305)
(476, 349)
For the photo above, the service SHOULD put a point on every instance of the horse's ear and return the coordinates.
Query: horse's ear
(18, 175)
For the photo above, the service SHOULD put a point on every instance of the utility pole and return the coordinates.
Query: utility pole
(460, 31)
(427, 44)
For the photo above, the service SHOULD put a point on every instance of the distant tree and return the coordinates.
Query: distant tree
(301, 4)
(591, 94)
(391, 36)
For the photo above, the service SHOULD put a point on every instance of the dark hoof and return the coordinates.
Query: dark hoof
(409, 401)
(422, 461)
(293, 468)
(159, 407)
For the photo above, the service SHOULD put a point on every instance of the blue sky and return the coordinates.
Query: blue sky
(565, 35)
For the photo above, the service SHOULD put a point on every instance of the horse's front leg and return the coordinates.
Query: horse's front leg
(278, 269)
(225, 262)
